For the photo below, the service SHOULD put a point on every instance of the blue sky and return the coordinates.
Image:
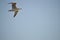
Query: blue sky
(38, 20)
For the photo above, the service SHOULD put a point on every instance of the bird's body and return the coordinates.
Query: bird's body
(14, 8)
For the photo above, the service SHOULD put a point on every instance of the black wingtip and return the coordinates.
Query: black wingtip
(14, 16)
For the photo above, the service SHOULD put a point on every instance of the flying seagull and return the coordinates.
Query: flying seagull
(14, 8)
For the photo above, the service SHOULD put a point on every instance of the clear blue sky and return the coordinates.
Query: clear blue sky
(38, 20)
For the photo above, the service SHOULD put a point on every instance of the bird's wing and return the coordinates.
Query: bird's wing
(13, 5)
(15, 13)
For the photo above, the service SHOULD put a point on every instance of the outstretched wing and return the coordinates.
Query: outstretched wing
(13, 5)
(15, 13)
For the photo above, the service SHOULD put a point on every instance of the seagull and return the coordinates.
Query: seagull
(14, 8)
